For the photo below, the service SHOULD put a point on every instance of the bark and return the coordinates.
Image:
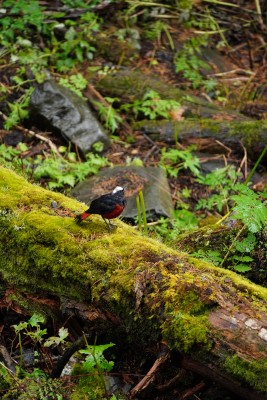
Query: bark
(131, 288)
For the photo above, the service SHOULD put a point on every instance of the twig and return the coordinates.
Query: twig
(232, 71)
(258, 8)
(190, 392)
(172, 383)
(244, 162)
(149, 378)
(94, 94)
(52, 146)
(225, 147)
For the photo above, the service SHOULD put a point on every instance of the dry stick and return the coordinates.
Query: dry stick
(190, 392)
(173, 382)
(258, 8)
(244, 162)
(102, 100)
(150, 376)
(52, 146)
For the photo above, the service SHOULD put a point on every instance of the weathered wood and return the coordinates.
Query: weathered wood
(207, 313)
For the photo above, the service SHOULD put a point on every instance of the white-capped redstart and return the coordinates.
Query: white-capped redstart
(108, 205)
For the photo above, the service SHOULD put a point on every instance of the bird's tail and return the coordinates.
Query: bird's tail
(81, 217)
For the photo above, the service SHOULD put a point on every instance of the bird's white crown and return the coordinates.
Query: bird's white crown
(117, 189)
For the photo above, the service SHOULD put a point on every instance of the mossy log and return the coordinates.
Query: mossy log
(129, 85)
(206, 133)
(136, 289)
(204, 125)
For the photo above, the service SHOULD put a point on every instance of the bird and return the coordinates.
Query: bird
(108, 205)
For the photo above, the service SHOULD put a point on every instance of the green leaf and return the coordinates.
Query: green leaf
(20, 326)
(242, 258)
(250, 210)
(36, 320)
(97, 349)
(242, 268)
(56, 340)
(247, 244)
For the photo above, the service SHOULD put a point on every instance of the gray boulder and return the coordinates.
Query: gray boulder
(63, 110)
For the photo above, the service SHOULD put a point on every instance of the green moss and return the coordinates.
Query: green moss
(90, 385)
(183, 331)
(254, 373)
(249, 131)
(186, 321)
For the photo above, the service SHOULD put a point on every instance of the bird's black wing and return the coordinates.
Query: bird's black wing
(102, 205)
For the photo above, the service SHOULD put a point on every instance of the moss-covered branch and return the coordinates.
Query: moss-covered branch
(150, 290)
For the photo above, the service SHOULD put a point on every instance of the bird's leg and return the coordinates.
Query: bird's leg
(109, 224)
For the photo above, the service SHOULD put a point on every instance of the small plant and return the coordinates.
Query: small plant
(249, 208)
(24, 20)
(174, 160)
(58, 172)
(155, 31)
(61, 172)
(188, 62)
(220, 184)
(18, 110)
(24, 385)
(212, 256)
(152, 106)
(36, 384)
(76, 83)
(170, 228)
(21, 16)
(108, 114)
(13, 157)
(76, 46)
(92, 373)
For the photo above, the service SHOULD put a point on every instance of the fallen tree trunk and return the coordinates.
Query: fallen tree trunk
(134, 289)
(210, 134)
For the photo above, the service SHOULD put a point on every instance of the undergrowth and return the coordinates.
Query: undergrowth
(53, 171)
(31, 380)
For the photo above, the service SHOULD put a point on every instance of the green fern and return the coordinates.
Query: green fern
(249, 208)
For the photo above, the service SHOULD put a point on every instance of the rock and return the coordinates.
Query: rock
(152, 181)
(65, 111)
